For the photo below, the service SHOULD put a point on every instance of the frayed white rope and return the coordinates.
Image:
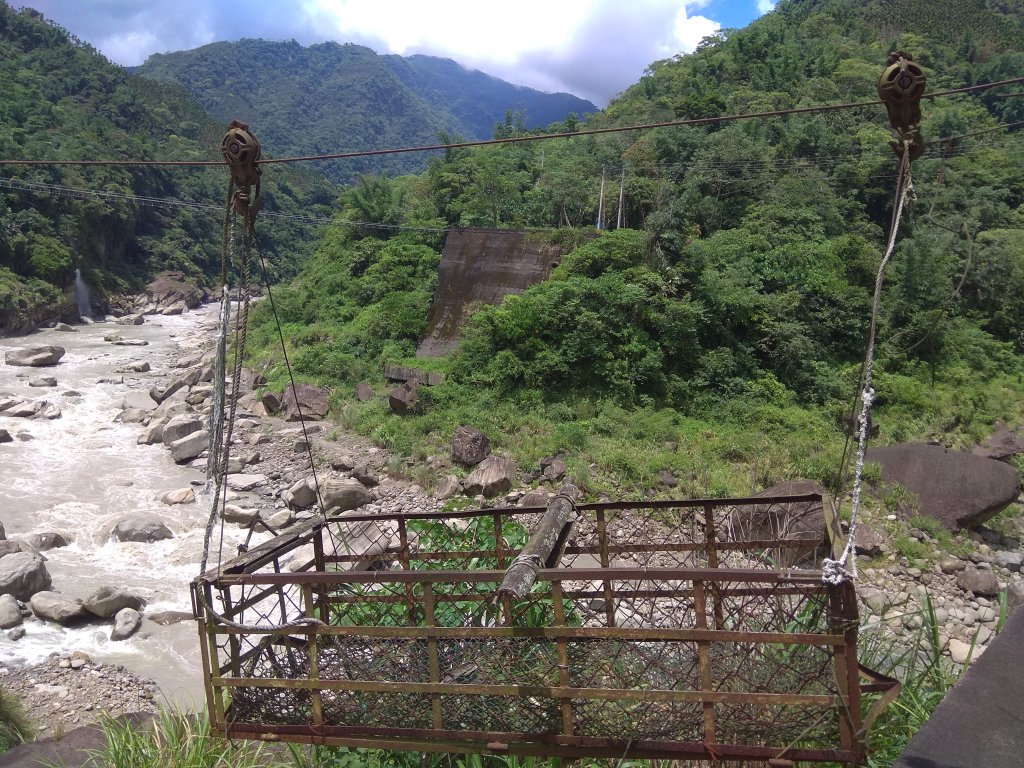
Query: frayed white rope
(835, 571)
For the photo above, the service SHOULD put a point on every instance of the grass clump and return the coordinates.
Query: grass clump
(176, 740)
(14, 724)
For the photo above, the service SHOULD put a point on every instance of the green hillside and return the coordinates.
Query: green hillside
(60, 99)
(735, 302)
(336, 98)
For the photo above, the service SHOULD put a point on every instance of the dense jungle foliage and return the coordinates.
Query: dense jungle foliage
(60, 99)
(730, 311)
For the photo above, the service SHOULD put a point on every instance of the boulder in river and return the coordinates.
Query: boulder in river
(22, 575)
(179, 496)
(57, 607)
(138, 400)
(189, 447)
(168, 288)
(177, 308)
(42, 381)
(10, 612)
(5, 437)
(131, 320)
(181, 426)
(166, 618)
(958, 489)
(35, 357)
(106, 601)
(46, 541)
(142, 527)
(152, 434)
(126, 624)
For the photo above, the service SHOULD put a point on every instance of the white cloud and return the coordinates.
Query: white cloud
(765, 6)
(593, 48)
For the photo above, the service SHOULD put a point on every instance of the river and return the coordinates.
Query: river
(82, 473)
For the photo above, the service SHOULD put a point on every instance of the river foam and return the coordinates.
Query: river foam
(80, 474)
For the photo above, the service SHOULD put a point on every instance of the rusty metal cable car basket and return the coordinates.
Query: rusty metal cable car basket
(659, 629)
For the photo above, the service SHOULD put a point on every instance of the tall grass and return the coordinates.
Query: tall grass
(927, 676)
(14, 724)
(175, 740)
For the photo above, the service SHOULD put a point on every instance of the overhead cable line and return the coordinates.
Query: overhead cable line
(817, 109)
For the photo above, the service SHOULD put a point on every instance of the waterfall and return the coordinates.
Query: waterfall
(82, 296)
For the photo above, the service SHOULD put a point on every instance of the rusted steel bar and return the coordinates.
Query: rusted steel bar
(432, 657)
(606, 585)
(711, 539)
(202, 595)
(563, 658)
(749, 575)
(704, 661)
(590, 633)
(538, 552)
(525, 744)
(312, 646)
(541, 691)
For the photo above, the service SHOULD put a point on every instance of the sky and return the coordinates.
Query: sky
(591, 48)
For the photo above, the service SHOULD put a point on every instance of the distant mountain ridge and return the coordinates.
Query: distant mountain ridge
(333, 97)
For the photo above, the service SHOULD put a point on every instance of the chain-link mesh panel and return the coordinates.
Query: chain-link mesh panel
(662, 621)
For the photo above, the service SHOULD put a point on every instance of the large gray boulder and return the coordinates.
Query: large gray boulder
(140, 401)
(57, 607)
(343, 494)
(10, 612)
(152, 434)
(470, 446)
(978, 581)
(181, 426)
(1003, 443)
(190, 446)
(800, 520)
(126, 624)
(22, 575)
(492, 477)
(46, 541)
(5, 436)
(106, 601)
(312, 401)
(301, 495)
(404, 399)
(960, 490)
(35, 357)
(142, 528)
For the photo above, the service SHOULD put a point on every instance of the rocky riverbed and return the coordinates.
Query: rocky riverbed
(107, 493)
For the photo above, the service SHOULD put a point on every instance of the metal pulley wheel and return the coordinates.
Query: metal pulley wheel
(241, 151)
(901, 86)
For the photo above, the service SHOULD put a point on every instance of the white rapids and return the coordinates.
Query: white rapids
(81, 473)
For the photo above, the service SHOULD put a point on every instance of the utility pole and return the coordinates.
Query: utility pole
(622, 188)
(600, 204)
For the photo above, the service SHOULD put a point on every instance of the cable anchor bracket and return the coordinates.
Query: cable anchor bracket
(900, 87)
(241, 151)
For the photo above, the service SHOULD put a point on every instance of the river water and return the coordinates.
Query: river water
(82, 473)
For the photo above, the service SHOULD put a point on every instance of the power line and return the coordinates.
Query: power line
(818, 109)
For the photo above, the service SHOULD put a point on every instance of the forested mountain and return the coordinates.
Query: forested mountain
(60, 99)
(337, 98)
(743, 276)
